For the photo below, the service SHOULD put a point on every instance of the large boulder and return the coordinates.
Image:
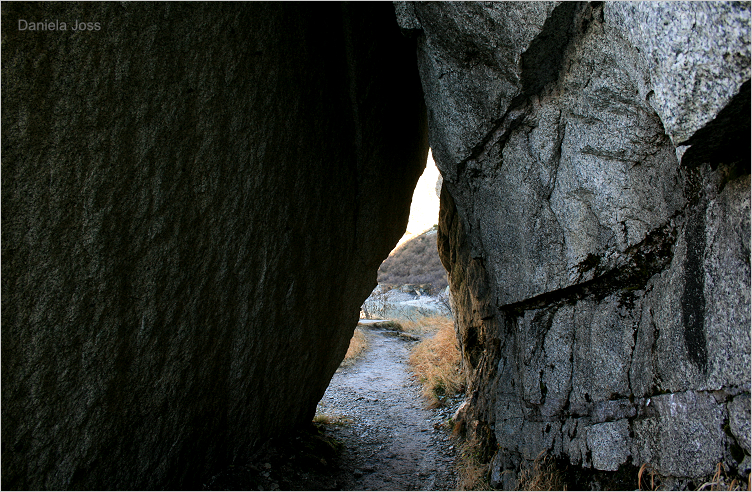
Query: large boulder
(595, 224)
(196, 198)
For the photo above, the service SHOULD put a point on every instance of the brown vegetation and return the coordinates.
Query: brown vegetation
(436, 360)
(472, 471)
(648, 479)
(424, 326)
(358, 343)
(324, 419)
(544, 475)
(721, 481)
(415, 262)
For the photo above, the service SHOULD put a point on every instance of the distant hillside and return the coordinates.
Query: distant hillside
(415, 262)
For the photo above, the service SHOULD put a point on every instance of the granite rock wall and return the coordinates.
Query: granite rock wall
(595, 224)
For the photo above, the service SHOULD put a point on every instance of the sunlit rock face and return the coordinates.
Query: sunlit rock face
(196, 199)
(595, 224)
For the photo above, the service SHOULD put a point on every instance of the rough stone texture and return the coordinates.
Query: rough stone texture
(690, 425)
(597, 242)
(608, 442)
(396, 304)
(486, 42)
(739, 409)
(196, 199)
(693, 76)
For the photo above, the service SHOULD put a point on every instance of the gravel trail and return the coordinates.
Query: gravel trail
(391, 442)
(379, 435)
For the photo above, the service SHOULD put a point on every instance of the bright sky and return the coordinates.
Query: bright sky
(424, 211)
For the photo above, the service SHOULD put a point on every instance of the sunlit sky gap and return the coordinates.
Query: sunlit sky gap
(424, 211)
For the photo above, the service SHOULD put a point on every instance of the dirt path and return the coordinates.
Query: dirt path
(389, 438)
(379, 435)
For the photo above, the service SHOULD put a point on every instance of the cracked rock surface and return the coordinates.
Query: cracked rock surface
(595, 226)
(197, 198)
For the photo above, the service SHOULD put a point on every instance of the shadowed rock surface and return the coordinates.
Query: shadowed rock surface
(196, 199)
(600, 281)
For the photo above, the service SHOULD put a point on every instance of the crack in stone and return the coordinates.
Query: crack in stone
(639, 263)
(499, 134)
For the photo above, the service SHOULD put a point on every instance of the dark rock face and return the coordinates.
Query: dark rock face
(597, 241)
(196, 199)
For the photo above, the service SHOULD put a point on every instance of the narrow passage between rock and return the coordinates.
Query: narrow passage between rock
(373, 433)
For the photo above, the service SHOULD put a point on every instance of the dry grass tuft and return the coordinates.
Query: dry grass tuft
(720, 480)
(322, 418)
(646, 467)
(358, 344)
(388, 325)
(544, 475)
(422, 326)
(473, 473)
(436, 360)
